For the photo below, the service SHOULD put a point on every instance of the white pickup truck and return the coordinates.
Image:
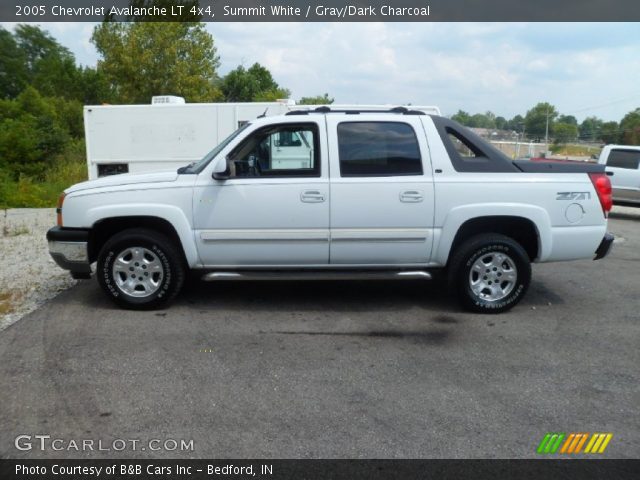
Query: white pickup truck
(330, 194)
(623, 161)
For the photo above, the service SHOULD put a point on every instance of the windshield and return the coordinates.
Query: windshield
(197, 167)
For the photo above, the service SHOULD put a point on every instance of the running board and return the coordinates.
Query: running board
(317, 275)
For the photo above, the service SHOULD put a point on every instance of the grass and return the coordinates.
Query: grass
(8, 300)
(575, 150)
(15, 232)
(30, 192)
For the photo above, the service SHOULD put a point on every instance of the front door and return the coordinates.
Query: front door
(274, 208)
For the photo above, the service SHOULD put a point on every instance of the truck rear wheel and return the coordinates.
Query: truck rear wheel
(490, 273)
(140, 269)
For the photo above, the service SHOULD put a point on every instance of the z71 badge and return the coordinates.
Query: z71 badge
(573, 196)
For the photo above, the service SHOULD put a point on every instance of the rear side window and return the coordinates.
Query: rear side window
(624, 159)
(377, 149)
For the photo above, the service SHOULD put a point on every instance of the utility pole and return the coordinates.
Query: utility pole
(546, 134)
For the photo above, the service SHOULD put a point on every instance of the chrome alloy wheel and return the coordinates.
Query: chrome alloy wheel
(493, 276)
(138, 272)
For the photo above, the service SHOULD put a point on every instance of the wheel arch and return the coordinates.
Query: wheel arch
(529, 226)
(107, 227)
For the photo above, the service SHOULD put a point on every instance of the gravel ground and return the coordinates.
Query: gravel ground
(28, 275)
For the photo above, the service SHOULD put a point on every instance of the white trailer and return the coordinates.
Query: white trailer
(169, 133)
(163, 135)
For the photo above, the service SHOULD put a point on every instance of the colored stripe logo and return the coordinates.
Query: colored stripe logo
(573, 443)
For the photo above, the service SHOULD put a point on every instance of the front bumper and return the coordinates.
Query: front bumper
(68, 248)
(605, 246)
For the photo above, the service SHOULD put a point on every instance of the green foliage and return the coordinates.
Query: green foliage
(13, 72)
(255, 84)
(462, 117)
(590, 129)
(570, 119)
(564, 133)
(31, 56)
(479, 120)
(317, 100)
(516, 124)
(43, 189)
(610, 132)
(483, 120)
(630, 128)
(30, 132)
(143, 59)
(536, 119)
(501, 123)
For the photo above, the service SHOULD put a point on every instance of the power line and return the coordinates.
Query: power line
(605, 104)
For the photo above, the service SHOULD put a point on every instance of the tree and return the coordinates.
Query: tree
(13, 72)
(482, 120)
(570, 119)
(516, 123)
(30, 133)
(590, 128)
(501, 123)
(255, 84)
(31, 56)
(536, 119)
(630, 128)
(462, 117)
(317, 100)
(610, 132)
(143, 59)
(564, 132)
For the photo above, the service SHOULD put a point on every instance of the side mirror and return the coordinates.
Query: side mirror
(220, 175)
(220, 169)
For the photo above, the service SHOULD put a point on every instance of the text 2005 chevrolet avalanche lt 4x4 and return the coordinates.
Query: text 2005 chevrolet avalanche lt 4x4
(336, 194)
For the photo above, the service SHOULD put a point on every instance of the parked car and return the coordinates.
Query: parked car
(320, 194)
(623, 161)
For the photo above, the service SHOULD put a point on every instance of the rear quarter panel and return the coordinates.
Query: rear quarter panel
(564, 207)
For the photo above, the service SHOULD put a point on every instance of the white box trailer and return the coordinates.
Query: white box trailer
(170, 133)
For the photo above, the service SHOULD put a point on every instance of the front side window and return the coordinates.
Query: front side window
(624, 159)
(277, 151)
(369, 149)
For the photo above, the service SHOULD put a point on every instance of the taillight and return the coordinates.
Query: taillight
(59, 209)
(602, 185)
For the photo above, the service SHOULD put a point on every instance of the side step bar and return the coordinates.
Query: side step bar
(317, 275)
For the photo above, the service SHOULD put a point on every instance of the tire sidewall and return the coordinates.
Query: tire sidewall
(522, 281)
(105, 271)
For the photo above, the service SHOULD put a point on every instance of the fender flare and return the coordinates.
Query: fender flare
(459, 215)
(170, 213)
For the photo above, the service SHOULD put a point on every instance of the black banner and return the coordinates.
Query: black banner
(319, 469)
(319, 10)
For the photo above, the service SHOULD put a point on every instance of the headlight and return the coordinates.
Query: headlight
(59, 209)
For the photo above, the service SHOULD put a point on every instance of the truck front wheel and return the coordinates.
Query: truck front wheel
(490, 273)
(140, 269)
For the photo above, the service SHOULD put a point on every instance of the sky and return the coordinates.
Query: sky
(583, 69)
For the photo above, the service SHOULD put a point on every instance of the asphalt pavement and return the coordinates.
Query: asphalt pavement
(332, 369)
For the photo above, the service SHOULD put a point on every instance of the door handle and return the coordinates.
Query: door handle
(312, 196)
(411, 196)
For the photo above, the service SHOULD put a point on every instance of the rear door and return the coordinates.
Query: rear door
(381, 188)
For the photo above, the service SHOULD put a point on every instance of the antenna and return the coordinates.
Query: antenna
(264, 114)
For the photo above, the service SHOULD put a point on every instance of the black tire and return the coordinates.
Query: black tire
(479, 252)
(169, 276)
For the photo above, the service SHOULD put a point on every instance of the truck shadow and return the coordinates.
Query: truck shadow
(337, 296)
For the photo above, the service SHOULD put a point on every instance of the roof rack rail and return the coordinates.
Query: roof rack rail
(356, 111)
